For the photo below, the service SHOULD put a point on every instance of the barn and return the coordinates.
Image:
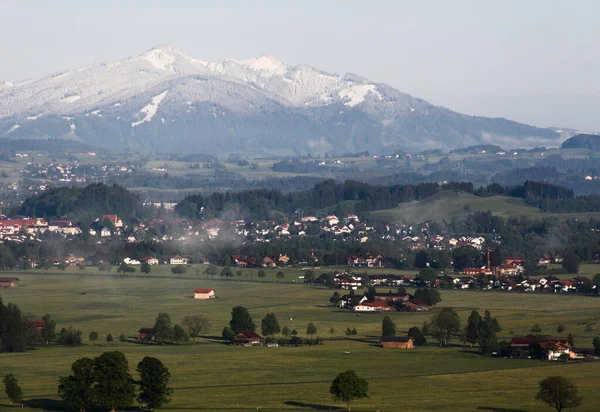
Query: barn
(396, 342)
(9, 282)
(204, 293)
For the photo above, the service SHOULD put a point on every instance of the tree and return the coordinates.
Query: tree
(571, 340)
(285, 331)
(241, 321)
(536, 330)
(560, 329)
(472, 328)
(311, 329)
(280, 275)
(418, 337)
(76, 391)
(596, 343)
(163, 327)
(114, 387)
(62, 265)
(93, 336)
(178, 270)
(226, 272)
(294, 332)
(487, 339)
(335, 298)
(388, 327)
(145, 267)
(239, 274)
(261, 274)
(348, 386)
(109, 338)
(270, 325)
(69, 337)
(354, 332)
(179, 334)
(227, 333)
(48, 331)
(331, 331)
(571, 263)
(211, 270)
(122, 338)
(430, 296)
(196, 325)
(12, 389)
(154, 380)
(559, 393)
(596, 282)
(444, 325)
(427, 275)
(309, 276)
(348, 332)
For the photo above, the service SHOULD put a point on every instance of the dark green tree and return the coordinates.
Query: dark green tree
(335, 298)
(12, 389)
(114, 388)
(163, 327)
(76, 390)
(571, 263)
(270, 324)
(261, 274)
(388, 327)
(241, 320)
(596, 343)
(93, 336)
(69, 337)
(427, 275)
(154, 381)
(211, 270)
(418, 337)
(227, 333)
(559, 393)
(109, 338)
(285, 331)
(472, 328)
(280, 275)
(536, 330)
(347, 387)
(179, 334)
(145, 267)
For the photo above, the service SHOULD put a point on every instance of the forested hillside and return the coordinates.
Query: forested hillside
(82, 203)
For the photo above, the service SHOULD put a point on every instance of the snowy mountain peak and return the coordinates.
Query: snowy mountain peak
(264, 62)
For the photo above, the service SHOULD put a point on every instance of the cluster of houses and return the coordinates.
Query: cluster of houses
(542, 348)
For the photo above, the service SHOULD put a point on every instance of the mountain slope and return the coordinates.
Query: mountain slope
(164, 100)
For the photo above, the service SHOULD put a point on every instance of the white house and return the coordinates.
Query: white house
(178, 260)
(130, 261)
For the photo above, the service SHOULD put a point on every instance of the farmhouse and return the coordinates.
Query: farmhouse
(147, 334)
(247, 338)
(9, 282)
(396, 342)
(374, 307)
(150, 260)
(547, 348)
(178, 260)
(204, 293)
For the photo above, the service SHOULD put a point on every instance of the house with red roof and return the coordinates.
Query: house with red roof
(247, 338)
(204, 293)
(378, 306)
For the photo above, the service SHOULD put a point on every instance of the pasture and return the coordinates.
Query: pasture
(449, 204)
(210, 376)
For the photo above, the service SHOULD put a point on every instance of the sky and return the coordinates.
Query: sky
(534, 61)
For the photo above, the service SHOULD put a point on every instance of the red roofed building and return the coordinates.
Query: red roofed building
(9, 282)
(114, 219)
(247, 338)
(204, 293)
(378, 306)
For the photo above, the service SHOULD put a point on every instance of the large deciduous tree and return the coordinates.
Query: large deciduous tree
(196, 325)
(444, 325)
(558, 392)
(348, 386)
(163, 326)
(154, 380)
(76, 391)
(12, 389)
(270, 325)
(114, 386)
(48, 331)
(241, 320)
(472, 328)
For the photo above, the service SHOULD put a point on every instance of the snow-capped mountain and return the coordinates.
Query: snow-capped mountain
(165, 100)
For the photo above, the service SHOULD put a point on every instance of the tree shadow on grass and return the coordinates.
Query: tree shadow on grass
(314, 406)
(495, 409)
(45, 404)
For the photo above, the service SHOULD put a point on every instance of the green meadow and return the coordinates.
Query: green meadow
(210, 375)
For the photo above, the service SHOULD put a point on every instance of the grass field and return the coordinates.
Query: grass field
(449, 204)
(212, 376)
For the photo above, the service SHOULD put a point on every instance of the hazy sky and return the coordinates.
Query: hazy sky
(536, 61)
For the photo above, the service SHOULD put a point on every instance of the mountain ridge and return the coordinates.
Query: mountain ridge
(259, 105)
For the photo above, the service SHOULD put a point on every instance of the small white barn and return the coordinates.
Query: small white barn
(204, 293)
